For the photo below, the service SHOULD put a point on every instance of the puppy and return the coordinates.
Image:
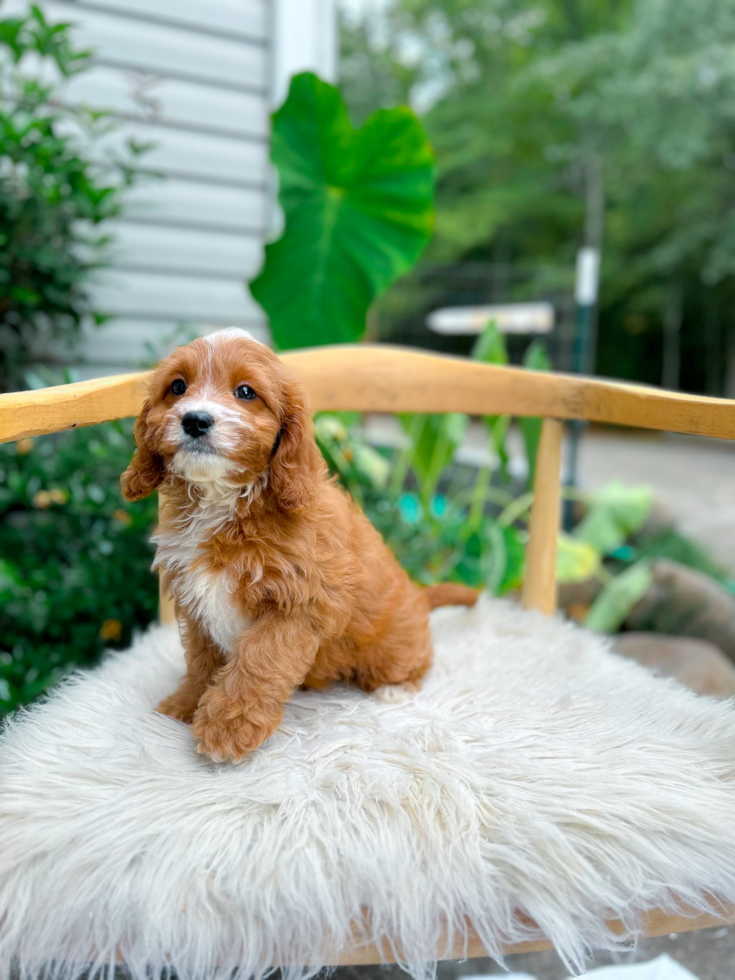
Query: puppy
(278, 579)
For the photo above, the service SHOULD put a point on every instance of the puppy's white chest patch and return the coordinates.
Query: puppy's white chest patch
(207, 596)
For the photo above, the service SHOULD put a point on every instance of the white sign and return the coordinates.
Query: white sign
(588, 276)
(512, 318)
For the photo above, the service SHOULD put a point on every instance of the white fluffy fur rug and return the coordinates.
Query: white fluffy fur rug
(535, 771)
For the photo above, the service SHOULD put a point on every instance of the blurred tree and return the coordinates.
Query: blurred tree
(371, 70)
(560, 121)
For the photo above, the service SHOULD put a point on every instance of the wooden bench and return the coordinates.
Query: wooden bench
(384, 379)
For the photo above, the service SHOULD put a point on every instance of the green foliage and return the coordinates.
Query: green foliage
(54, 197)
(431, 531)
(432, 443)
(370, 73)
(535, 359)
(576, 561)
(670, 544)
(74, 557)
(362, 468)
(502, 148)
(465, 527)
(616, 528)
(358, 208)
(474, 531)
(552, 122)
(612, 606)
(490, 348)
(614, 514)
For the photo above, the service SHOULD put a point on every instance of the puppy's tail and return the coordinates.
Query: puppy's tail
(450, 594)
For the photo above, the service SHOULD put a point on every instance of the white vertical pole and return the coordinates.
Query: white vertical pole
(585, 295)
(304, 39)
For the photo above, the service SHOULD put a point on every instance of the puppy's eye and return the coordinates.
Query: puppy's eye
(245, 392)
(178, 387)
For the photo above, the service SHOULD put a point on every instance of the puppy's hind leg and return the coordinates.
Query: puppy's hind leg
(394, 676)
(396, 693)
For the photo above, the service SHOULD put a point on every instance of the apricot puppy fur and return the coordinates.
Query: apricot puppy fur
(278, 579)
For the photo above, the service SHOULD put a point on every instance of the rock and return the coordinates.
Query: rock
(575, 598)
(684, 602)
(696, 663)
(659, 521)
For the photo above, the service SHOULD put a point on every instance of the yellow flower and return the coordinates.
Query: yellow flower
(111, 629)
(122, 516)
(44, 498)
(24, 446)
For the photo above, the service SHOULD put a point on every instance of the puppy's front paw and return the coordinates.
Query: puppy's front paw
(395, 693)
(177, 709)
(227, 740)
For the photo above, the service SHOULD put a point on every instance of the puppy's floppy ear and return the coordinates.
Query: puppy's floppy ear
(296, 462)
(146, 469)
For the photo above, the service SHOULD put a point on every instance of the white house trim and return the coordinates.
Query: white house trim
(304, 39)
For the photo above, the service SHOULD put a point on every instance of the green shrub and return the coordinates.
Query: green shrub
(56, 194)
(74, 557)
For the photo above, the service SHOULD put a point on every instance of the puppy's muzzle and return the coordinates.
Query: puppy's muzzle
(196, 424)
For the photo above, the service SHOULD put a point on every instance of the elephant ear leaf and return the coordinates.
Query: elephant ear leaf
(358, 210)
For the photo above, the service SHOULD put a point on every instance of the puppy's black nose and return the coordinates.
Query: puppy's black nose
(195, 424)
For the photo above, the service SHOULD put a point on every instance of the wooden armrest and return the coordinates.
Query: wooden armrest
(35, 413)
